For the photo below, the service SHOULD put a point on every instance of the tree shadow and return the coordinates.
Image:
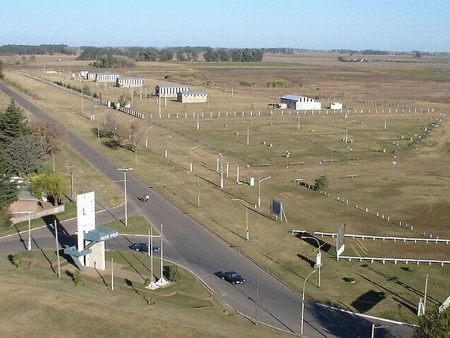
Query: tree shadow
(344, 324)
(368, 300)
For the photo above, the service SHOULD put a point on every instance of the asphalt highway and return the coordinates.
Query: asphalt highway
(189, 244)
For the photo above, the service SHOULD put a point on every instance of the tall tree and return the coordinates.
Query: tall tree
(49, 135)
(1, 69)
(49, 184)
(434, 324)
(8, 191)
(23, 155)
(13, 123)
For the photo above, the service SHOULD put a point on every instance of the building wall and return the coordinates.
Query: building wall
(129, 82)
(105, 77)
(96, 259)
(192, 98)
(304, 103)
(170, 91)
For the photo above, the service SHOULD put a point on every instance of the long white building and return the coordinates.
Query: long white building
(192, 97)
(102, 77)
(170, 90)
(129, 82)
(300, 102)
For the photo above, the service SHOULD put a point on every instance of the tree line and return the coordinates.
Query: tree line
(38, 50)
(24, 147)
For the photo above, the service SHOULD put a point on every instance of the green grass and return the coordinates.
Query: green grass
(137, 225)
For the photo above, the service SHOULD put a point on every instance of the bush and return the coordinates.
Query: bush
(16, 259)
(172, 273)
(321, 183)
(77, 278)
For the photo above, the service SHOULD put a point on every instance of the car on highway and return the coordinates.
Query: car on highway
(231, 276)
(143, 247)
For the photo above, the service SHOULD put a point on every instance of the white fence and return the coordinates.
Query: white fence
(386, 238)
(395, 260)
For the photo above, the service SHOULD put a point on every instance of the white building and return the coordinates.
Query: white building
(192, 97)
(129, 82)
(106, 77)
(102, 77)
(91, 76)
(300, 102)
(170, 90)
(336, 105)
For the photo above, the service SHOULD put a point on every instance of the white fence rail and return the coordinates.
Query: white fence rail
(395, 260)
(385, 238)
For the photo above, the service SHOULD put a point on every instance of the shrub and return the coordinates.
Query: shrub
(172, 273)
(77, 278)
(16, 259)
(321, 183)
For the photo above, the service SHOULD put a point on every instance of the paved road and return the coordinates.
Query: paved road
(188, 243)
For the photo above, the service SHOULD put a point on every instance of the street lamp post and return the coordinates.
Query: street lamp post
(303, 301)
(29, 230)
(319, 255)
(146, 137)
(125, 170)
(166, 151)
(246, 217)
(346, 127)
(190, 163)
(259, 188)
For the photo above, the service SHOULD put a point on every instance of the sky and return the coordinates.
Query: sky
(394, 25)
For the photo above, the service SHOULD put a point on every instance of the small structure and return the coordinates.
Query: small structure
(129, 82)
(25, 201)
(90, 249)
(300, 102)
(106, 77)
(170, 90)
(335, 105)
(102, 77)
(192, 97)
(84, 74)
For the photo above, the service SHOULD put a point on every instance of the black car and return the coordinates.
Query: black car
(232, 276)
(143, 247)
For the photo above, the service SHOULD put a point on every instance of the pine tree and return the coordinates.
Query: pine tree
(13, 124)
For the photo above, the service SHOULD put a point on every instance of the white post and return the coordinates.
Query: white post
(198, 191)
(248, 135)
(161, 280)
(246, 222)
(112, 274)
(237, 175)
(57, 249)
(303, 301)
(221, 176)
(29, 231)
(151, 255)
(425, 294)
(125, 170)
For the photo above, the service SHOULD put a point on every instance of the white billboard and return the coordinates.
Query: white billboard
(85, 216)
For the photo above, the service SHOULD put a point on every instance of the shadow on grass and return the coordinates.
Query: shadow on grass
(324, 246)
(368, 300)
(342, 324)
(307, 260)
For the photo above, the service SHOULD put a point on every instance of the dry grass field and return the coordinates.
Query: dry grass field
(416, 190)
(35, 300)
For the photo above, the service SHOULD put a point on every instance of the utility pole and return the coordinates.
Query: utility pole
(71, 181)
(57, 249)
(125, 170)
